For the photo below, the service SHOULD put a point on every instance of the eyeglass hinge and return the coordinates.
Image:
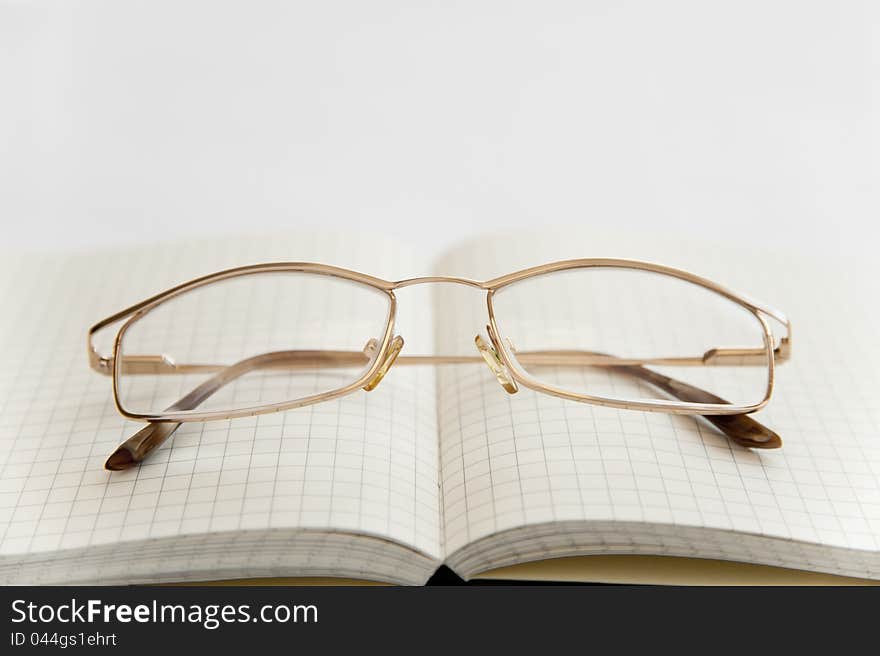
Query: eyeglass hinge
(100, 363)
(782, 352)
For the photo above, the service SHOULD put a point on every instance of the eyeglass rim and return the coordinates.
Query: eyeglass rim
(267, 408)
(650, 405)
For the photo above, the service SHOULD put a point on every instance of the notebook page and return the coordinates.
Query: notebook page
(366, 463)
(527, 459)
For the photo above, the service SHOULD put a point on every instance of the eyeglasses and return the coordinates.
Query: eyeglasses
(271, 337)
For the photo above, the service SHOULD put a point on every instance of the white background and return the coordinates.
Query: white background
(754, 121)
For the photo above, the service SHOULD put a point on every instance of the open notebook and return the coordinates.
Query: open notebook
(438, 464)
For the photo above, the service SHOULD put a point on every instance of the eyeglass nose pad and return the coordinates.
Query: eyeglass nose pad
(393, 352)
(490, 355)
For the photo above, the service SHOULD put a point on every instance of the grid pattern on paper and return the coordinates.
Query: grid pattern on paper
(366, 463)
(527, 459)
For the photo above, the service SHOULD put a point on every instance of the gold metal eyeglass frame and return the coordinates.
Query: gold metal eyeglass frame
(730, 418)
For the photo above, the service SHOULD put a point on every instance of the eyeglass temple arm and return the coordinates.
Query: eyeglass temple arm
(741, 429)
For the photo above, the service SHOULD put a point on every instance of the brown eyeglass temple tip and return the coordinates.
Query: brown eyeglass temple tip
(140, 445)
(120, 460)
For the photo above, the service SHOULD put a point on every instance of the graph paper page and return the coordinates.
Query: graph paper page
(366, 463)
(509, 461)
